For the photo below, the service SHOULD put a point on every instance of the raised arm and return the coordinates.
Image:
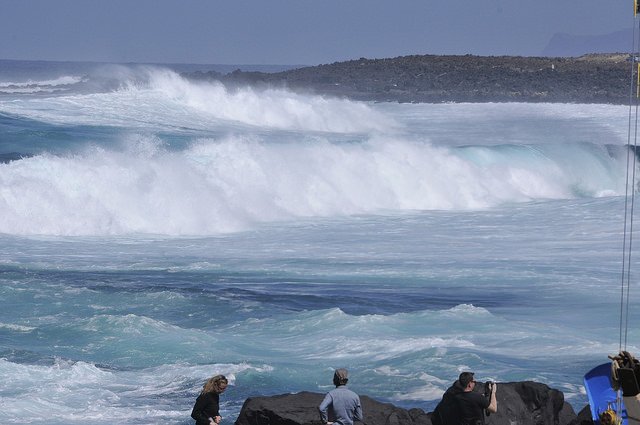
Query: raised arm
(493, 403)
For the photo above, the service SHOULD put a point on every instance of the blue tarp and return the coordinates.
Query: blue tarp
(597, 382)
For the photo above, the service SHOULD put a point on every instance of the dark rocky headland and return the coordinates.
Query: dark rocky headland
(593, 78)
(519, 403)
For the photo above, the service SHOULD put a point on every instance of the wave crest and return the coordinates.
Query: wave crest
(152, 98)
(228, 185)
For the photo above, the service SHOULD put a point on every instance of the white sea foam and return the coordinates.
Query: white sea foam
(426, 392)
(152, 99)
(39, 86)
(228, 185)
(60, 81)
(75, 392)
(275, 108)
(249, 172)
(17, 328)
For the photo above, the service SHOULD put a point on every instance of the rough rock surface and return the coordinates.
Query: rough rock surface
(521, 403)
(594, 78)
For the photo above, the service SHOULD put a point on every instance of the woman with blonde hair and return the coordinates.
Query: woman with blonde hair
(206, 411)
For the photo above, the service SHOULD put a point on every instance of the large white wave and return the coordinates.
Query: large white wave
(267, 155)
(155, 99)
(230, 184)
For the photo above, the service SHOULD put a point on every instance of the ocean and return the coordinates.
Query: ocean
(156, 231)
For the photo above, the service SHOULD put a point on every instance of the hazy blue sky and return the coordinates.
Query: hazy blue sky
(293, 31)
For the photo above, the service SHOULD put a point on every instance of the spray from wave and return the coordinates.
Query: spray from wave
(231, 184)
(248, 156)
(154, 99)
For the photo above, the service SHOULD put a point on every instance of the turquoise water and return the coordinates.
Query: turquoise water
(157, 231)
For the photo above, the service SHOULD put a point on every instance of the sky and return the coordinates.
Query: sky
(294, 32)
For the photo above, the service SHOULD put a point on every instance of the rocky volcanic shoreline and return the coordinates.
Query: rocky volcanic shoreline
(519, 403)
(595, 78)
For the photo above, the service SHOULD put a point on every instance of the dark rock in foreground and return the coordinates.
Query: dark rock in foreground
(594, 78)
(521, 403)
(302, 408)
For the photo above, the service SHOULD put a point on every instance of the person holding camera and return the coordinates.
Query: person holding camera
(463, 404)
(472, 404)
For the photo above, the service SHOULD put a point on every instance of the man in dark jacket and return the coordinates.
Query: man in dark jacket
(462, 405)
(472, 404)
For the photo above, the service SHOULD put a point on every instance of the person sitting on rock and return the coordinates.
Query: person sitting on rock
(341, 406)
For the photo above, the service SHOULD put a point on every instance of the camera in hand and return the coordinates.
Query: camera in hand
(488, 388)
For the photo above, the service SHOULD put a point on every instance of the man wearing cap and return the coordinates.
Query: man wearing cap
(341, 405)
(472, 404)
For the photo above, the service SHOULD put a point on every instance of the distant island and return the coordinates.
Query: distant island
(592, 78)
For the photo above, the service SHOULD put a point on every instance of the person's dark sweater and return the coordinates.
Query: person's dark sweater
(472, 405)
(207, 406)
(459, 407)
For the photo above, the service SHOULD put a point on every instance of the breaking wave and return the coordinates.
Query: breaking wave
(228, 185)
